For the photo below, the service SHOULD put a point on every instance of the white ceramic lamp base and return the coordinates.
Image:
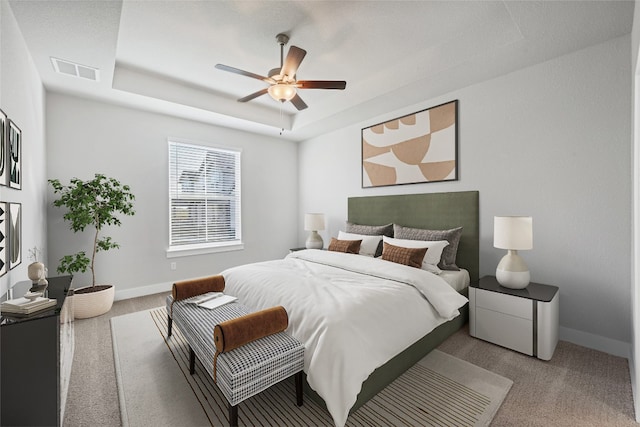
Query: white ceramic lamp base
(314, 241)
(512, 272)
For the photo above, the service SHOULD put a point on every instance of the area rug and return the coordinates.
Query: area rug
(155, 388)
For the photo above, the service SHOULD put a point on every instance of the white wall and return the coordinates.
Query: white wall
(551, 141)
(22, 99)
(635, 268)
(85, 137)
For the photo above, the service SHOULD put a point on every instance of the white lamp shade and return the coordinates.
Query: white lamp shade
(513, 232)
(282, 92)
(313, 221)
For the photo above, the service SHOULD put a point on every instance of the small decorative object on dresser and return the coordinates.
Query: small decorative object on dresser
(36, 271)
(513, 233)
(525, 320)
(314, 222)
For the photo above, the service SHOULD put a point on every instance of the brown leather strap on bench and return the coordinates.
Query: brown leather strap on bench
(237, 332)
(191, 288)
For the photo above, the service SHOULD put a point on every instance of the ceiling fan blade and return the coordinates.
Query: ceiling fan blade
(321, 84)
(254, 95)
(244, 73)
(298, 102)
(294, 58)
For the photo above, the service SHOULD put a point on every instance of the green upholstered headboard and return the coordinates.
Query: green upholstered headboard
(434, 211)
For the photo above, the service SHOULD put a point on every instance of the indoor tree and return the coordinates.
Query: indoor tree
(96, 203)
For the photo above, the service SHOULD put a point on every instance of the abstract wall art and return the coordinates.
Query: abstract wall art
(4, 241)
(15, 234)
(416, 148)
(15, 156)
(3, 148)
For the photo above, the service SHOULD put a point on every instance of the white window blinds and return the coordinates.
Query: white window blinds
(204, 196)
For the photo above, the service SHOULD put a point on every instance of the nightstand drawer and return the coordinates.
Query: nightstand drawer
(507, 304)
(505, 330)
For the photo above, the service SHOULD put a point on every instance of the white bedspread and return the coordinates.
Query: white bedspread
(353, 313)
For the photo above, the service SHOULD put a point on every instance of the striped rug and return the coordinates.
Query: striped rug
(440, 390)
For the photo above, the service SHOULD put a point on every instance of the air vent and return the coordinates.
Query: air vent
(76, 70)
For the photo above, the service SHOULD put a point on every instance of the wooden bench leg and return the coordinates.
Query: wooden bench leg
(299, 388)
(170, 326)
(192, 361)
(233, 415)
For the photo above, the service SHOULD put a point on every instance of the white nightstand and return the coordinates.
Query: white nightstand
(525, 320)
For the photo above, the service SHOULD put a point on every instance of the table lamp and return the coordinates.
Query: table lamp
(314, 222)
(513, 233)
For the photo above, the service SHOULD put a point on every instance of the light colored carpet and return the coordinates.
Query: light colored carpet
(577, 387)
(155, 388)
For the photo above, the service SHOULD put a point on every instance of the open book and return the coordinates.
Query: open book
(213, 300)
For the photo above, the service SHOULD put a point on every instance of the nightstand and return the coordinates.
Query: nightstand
(525, 320)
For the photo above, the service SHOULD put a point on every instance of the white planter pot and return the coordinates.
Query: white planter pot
(92, 304)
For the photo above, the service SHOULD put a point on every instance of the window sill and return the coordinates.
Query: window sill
(190, 251)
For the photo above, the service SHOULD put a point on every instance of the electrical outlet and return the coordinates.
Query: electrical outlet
(173, 265)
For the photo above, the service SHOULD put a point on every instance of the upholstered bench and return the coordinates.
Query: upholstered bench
(244, 371)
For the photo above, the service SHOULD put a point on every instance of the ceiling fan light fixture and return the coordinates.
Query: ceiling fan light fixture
(282, 92)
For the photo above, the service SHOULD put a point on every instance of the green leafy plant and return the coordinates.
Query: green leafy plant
(95, 203)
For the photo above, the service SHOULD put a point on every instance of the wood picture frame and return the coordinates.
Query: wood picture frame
(14, 147)
(416, 148)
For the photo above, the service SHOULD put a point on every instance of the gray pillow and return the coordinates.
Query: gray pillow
(371, 230)
(448, 259)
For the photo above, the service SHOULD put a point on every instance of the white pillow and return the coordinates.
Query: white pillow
(369, 243)
(433, 255)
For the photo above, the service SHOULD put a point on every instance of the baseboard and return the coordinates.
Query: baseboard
(143, 291)
(596, 342)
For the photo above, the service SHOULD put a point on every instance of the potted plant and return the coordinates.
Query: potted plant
(95, 203)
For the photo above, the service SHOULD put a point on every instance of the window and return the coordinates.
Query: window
(204, 198)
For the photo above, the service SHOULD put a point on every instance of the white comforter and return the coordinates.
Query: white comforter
(353, 313)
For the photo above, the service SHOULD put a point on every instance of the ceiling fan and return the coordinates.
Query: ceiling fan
(283, 85)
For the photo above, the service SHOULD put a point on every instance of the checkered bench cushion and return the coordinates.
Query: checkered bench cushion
(247, 370)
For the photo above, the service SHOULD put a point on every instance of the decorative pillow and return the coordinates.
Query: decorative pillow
(431, 259)
(448, 261)
(408, 256)
(369, 243)
(346, 246)
(371, 230)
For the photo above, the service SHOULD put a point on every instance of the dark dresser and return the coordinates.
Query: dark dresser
(35, 359)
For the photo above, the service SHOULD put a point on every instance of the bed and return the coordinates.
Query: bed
(364, 321)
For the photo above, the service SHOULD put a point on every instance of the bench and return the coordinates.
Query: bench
(244, 371)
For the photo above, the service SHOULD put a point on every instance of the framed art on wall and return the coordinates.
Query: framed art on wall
(15, 155)
(3, 148)
(416, 148)
(4, 241)
(15, 234)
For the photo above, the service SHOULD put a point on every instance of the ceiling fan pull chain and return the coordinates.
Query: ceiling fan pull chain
(281, 121)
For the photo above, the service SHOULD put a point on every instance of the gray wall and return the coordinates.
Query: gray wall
(551, 141)
(635, 253)
(22, 99)
(85, 137)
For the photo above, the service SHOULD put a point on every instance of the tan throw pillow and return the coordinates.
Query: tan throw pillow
(346, 246)
(408, 256)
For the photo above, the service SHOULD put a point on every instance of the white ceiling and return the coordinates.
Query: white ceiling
(160, 55)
